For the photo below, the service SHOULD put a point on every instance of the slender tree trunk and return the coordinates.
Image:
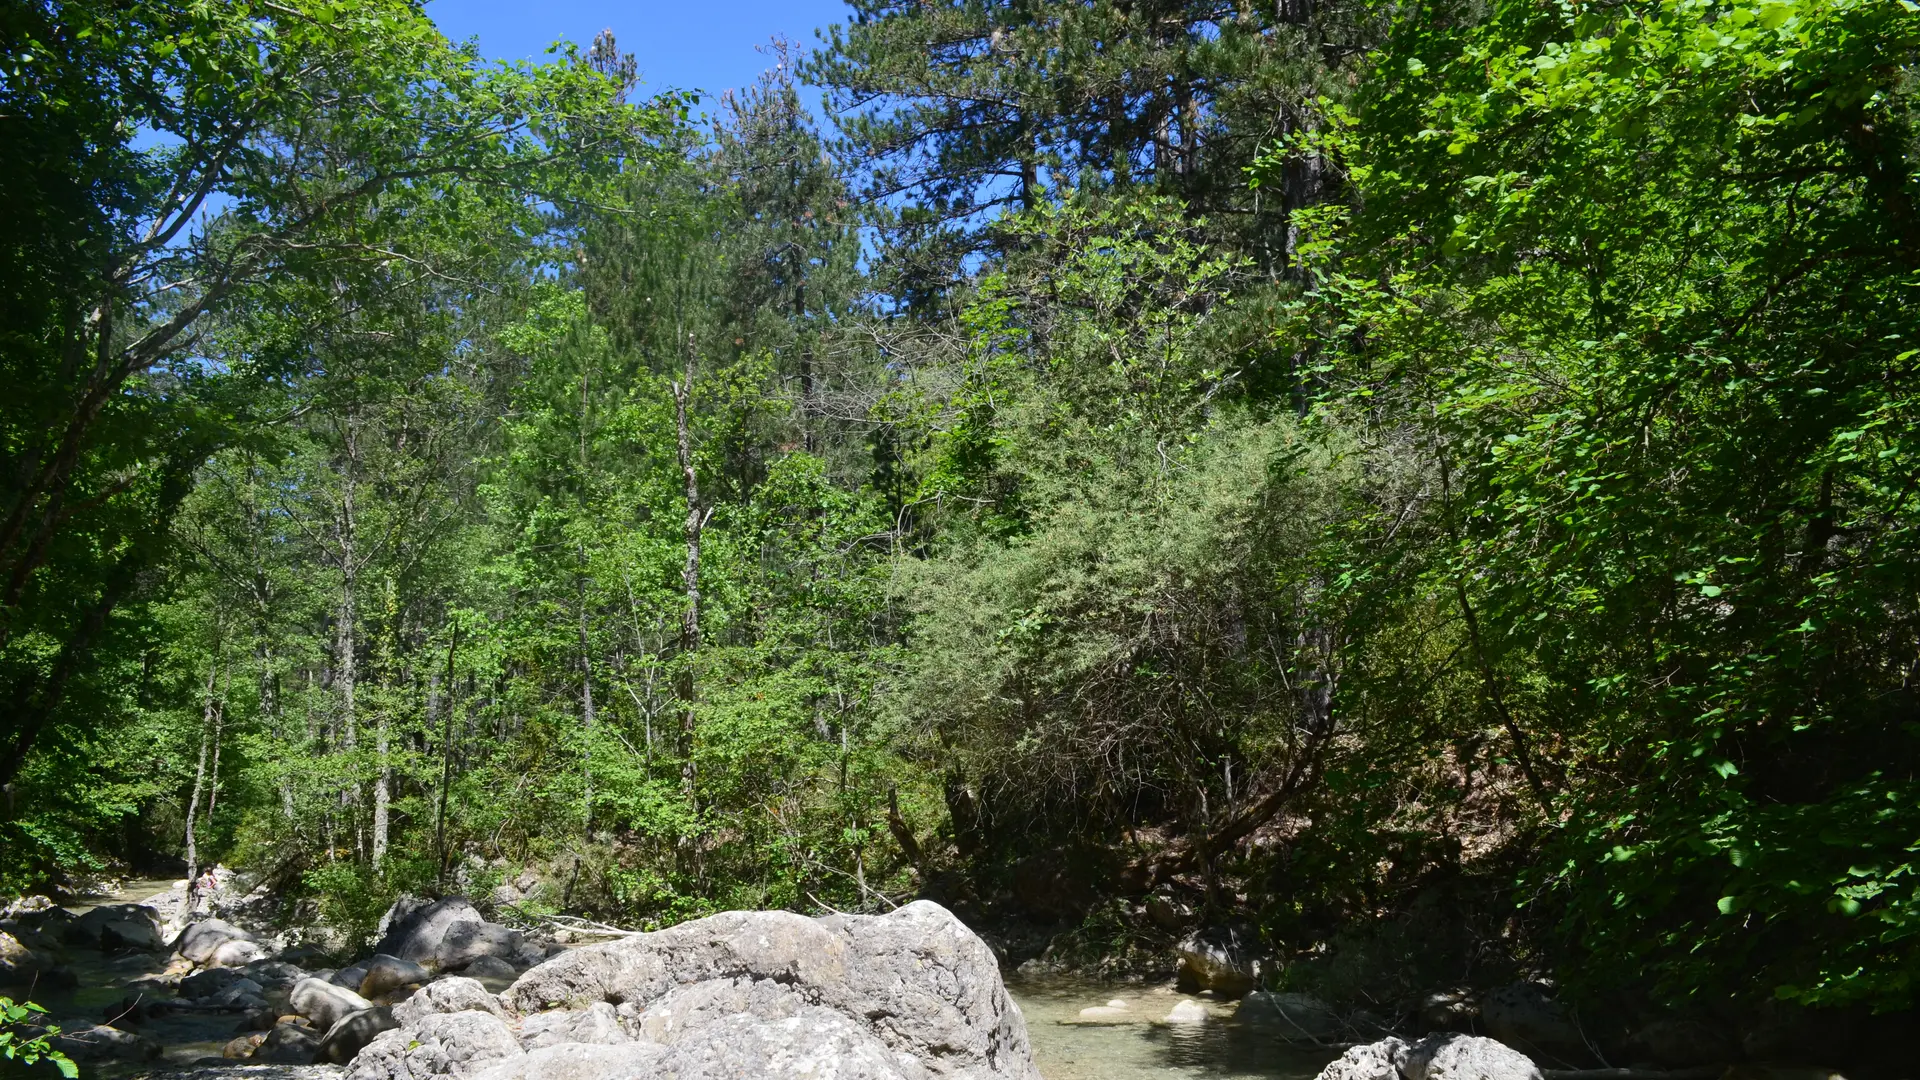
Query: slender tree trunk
(219, 724)
(686, 687)
(446, 761)
(345, 669)
(199, 776)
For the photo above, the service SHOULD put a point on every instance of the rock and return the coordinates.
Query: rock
(352, 1032)
(1451, 1056)
(441, 1044)
(1291, 1016)
(1108, 1014)
(1525, 1016)
(449, 995)
(815, 1042)
(580, 1061)
(1681, 1044)
(215, 1069)
(236, 954)
(349, 977)
(19, 964)
(206, 984)
(385, 973)
(91, 928)
(26, 905)
(1187, 1011)
(912, 986)
(1168, 913)
(1222, 959)
(1371, 1061)
(465, 942)
(99, 1042)
(199, 941)
(245, 995)
(131, 934)
(242, 1048)
(490, 967)
(1449, 1010)
(595, 1024)
(324, 1003)
(414, 930)
(274, 974)
(289, 1044)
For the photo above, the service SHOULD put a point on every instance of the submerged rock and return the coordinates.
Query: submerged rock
(1187, 1011)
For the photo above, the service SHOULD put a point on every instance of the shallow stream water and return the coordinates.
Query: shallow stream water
(1146, 1048)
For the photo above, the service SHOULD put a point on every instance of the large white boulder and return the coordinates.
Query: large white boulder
(912, 995)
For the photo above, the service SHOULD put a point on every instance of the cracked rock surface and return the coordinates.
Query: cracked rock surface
(911, 995)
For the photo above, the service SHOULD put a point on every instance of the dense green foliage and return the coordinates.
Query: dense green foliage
(1433, 481)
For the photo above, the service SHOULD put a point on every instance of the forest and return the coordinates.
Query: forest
(1435, 483)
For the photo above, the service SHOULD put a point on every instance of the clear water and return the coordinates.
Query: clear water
(1144, 1047)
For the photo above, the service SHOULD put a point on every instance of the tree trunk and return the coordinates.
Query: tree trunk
(199, 777)
(685, 686)
(345, 669)
(219, 724)
(446, 760)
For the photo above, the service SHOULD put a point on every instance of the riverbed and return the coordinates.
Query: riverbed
(1143, 1048)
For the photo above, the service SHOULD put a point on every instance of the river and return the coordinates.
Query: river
(1219, 1049)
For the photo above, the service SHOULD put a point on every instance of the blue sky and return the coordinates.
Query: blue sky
(690, 44)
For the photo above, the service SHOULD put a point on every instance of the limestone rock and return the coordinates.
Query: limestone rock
(449, 995)
(465, 942)
(349, 977)
(274, 974)
(289, 1044)
(596, 1023)
(19, 963)
(352, 1032)
(1451, 1056)
(117, 927)
(236, 954)
(413, 930)
(1301, 1017)
(924, 985)
(441, 1044)
(490, 967)
(324, 1003)
(385, 973)
(200, 940)
(1221, 959)
(99, 1042)
(1371, 1061)
(205, 984)
(580, 1061)
(242, 1047)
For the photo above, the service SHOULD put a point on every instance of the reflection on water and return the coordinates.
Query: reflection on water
(1220, 1049)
